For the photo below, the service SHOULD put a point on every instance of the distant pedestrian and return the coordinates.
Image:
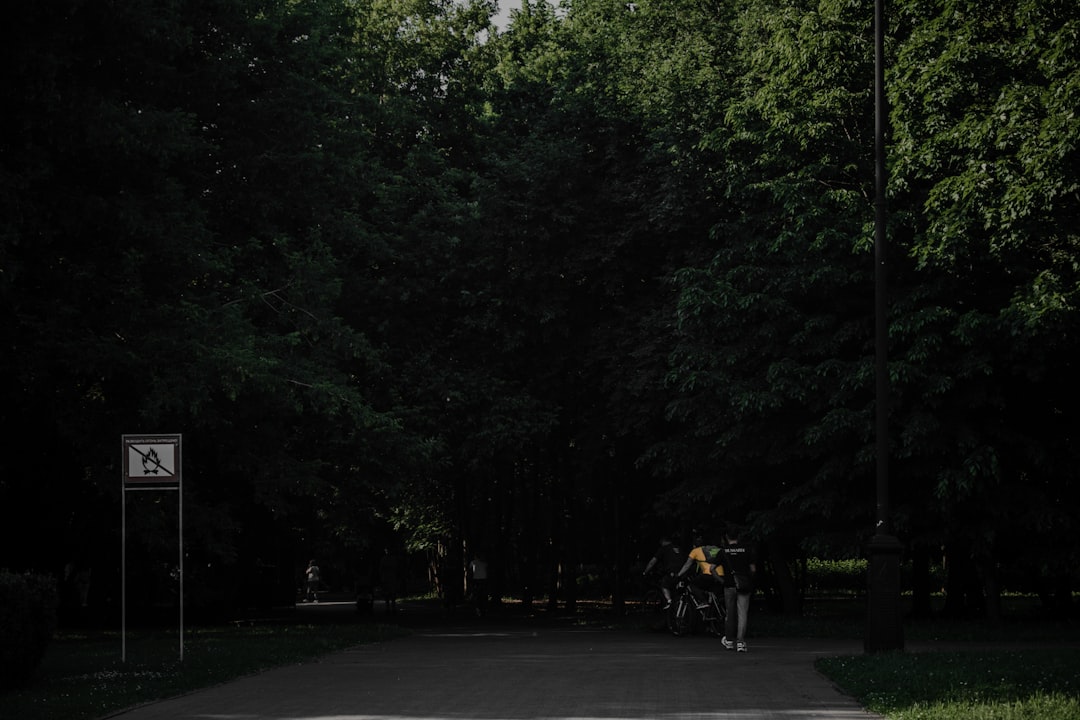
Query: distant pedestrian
(740, 566)
(390, 580)
(478, 580)
(312, 576)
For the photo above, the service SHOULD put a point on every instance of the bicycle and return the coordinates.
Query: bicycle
(684, 615)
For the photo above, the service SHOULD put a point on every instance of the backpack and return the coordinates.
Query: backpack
(714, 556)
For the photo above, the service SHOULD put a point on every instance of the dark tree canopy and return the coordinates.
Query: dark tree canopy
(407, 282)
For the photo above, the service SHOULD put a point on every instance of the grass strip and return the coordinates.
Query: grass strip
(993, 684)
(83, 677)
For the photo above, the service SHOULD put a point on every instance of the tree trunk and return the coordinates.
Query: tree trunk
(991, 587)
(618, 597)
(963, 592)
(571, 535)
(920, 581)
(784, 581)
(1061, 604)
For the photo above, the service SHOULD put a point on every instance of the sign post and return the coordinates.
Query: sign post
(150, 463)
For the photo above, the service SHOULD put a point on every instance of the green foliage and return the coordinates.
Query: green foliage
(984, 335)
(220, 189)
(832, 576)
(28, 606)
(774, 328)
(772, 374)
(390, 271)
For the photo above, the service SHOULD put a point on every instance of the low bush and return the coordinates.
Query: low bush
(829, 577)
(28, 605)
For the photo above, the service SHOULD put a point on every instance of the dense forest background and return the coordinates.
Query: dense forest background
(409, 284)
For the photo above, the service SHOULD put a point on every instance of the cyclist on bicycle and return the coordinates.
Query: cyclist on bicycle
(666, 562)
(710, 570)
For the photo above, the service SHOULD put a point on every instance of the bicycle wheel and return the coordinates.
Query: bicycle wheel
(653, 601)
(714, 616)
(679, 617)
(714, 624)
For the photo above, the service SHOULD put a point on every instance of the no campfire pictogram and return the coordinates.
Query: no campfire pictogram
(151, 459)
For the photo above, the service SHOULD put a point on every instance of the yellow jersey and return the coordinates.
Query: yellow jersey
(708, 560)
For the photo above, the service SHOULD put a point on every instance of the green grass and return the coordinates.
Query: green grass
(1007, 682)
(82, 676)
(984, 685)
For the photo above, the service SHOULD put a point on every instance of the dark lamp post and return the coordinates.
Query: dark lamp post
(884, 631)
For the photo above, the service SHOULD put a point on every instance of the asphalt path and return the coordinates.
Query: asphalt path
(488, 670)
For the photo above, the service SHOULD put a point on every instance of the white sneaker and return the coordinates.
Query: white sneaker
(727, 643)
(741, 647)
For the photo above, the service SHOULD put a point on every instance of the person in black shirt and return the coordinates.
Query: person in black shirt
(740, 566)
(666, 561)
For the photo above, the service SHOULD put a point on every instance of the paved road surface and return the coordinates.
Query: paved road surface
(511, 671)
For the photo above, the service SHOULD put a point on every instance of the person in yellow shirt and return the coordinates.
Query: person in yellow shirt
(710, 570)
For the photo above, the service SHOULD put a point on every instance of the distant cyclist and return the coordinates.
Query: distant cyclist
(666, 562)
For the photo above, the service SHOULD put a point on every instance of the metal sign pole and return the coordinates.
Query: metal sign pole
(180, 524)
(123, 555)
(150, 463)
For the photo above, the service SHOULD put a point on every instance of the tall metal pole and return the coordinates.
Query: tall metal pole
(180, 526)
(123, 557)
(883, 630)
(881, 275)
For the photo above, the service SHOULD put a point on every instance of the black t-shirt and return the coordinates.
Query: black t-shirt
(738, 557)
(668, 559)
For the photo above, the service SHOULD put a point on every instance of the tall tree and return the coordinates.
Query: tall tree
(198, 157)
(985, 171)
(774, 366)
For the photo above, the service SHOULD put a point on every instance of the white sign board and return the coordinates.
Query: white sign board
(151, 459)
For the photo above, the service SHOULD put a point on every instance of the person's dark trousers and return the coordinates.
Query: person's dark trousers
(738, 609)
